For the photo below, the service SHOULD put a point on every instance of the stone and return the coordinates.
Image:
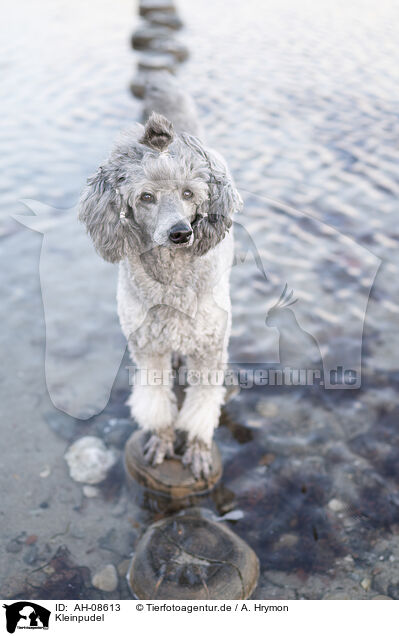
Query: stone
(89, 460)
(153, 61)
(138, 85)
(106, 579)
(266, 408)
(337, 596)
(142, 37)
(170, 478)
(165, 19)
(188, 556)
(123, 567)
(13, 546)
(45, 472)
(90, 491)
(170, 46)
(287, 540)
(31, 555)
(366, 584)
(381, 597)
(147, 6)
(336, 505)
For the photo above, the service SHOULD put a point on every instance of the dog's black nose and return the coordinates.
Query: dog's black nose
(180, 233)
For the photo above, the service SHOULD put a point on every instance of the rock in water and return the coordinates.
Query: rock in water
(143, 36)
(170, 478)
(89, 460)
(165, 19)
(153, 61)
(137, 85)
(187, 556)
(146, 6)
(106, 579)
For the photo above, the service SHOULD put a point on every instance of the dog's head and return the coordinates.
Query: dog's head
(158, 188)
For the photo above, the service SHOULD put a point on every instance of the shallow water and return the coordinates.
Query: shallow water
(302, 101)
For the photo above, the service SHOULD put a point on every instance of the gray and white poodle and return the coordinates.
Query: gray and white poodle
(161, 206)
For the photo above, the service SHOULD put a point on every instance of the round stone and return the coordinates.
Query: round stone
(143, 36)
(138, 84)
(89, 460)
(187, 556)
(156, 62)
(106, 579)
(146, 6)
(170, 46)
(165, 19)
(170, 478)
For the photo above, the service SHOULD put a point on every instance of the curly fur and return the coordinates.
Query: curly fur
(170, 299)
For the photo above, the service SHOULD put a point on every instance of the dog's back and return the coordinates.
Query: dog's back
(164, 95)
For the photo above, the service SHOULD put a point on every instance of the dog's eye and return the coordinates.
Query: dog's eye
(187, 194)
(147, 197)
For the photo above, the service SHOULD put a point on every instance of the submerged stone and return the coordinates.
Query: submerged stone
(106, 579)
(89, 460)
(147, 6)
(154, 61)
(188, 556)
(164, 18)
(170, 478)
(143, 36)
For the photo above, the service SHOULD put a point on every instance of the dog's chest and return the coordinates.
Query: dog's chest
(197, 332)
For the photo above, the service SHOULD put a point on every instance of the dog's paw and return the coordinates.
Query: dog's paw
(198, 457)
(159, 446)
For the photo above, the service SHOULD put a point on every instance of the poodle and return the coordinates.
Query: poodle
(162, 207)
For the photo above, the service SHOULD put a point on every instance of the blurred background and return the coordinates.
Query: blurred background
(302, 100)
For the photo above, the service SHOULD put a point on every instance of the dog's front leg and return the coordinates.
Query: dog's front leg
(199, 415)
(153, 405)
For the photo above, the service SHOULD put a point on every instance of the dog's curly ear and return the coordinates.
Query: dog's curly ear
(99, 209)
(224, 199)
(158, 132)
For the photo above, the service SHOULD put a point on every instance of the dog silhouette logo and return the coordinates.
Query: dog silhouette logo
(297, 347)
(26, 615)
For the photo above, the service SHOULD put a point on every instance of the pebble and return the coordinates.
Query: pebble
(31, 555)
(349, 560)
(161, 18)
(76, 532)
(153, 61)
(90, 491)
(267, 409)
(381, 597)
(267, 459)
(137, 85)
(89, 460)
(146, 6)
(13, 546)
(336, 505)
(287, 540)
(337, 596)
(143, 37)
(170, 46)
(106, 579)
(366, 584)
(123, 567)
